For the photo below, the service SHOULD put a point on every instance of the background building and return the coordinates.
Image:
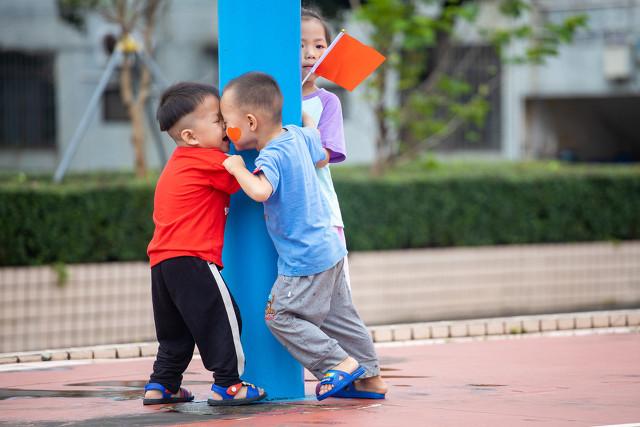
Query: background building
(579, 106)
(49, 71)
(583, 105)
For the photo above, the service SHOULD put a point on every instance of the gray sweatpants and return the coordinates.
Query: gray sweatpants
(314, 318)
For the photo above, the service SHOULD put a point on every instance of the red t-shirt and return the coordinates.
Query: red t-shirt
(190, 206)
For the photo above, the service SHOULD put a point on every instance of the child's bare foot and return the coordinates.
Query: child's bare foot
(157, 394)
(371, 384)
(347, 365)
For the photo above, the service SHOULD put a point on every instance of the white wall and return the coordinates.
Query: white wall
(187, 39)
(577, 70)
(186, 32)
(185, 50)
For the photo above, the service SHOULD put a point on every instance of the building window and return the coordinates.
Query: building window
(113, 109)
(478, 65)
(27, 100)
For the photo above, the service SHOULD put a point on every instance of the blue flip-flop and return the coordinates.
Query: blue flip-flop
(229, 393)
(167, 396)
(351, 392)
(338, 379)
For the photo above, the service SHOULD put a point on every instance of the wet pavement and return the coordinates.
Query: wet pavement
(591, 380)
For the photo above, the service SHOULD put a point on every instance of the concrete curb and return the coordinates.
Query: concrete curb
(443, 330)
(506, 326)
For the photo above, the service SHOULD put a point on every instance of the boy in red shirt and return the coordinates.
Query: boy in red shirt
(191, 302)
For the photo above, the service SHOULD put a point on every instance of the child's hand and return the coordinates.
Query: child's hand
(307, 121)
(233, 164)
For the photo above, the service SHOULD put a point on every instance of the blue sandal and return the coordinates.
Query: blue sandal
(351, 392)
(167, 396)
(228, 394)
(338, 379)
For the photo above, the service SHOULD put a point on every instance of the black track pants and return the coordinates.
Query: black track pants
(192, 305)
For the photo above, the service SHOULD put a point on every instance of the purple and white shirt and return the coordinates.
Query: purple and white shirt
(325, 109)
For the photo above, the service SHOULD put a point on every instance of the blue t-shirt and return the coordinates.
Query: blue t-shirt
(297, 215)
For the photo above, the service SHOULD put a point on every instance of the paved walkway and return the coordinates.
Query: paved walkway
(589, 380)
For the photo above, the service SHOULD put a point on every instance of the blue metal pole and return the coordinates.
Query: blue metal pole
(257, 35)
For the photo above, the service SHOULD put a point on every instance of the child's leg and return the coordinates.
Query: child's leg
(344, 324)
(295, 311)
(222, 350)
(176, 343)
(340, 231)
(213, 319)
(211, 316)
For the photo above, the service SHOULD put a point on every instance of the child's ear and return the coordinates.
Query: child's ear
(188, 137)
(253, 122)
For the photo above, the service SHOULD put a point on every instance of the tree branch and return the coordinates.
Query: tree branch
(452, 125)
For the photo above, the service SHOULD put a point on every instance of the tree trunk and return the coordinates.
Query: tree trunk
(381, 161)
(135, 109)
(383, 144)
(137, 140)
(127, 16)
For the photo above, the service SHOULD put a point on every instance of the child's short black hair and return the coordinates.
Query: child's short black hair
(181, 99)
(312, 13)
(260, 91)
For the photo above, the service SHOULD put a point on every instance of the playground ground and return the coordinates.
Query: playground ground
(590, 379)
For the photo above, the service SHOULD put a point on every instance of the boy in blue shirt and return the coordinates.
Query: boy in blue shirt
(310, 309)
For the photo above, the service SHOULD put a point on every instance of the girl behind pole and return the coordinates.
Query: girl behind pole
(325, 110)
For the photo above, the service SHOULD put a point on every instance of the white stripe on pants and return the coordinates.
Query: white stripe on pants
(231, 314)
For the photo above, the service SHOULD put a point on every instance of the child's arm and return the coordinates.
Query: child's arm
(307, 121)
(331, 127)
(325, 162)
(257, 187)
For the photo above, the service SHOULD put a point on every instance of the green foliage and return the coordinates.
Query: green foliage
(513, 8)
(44, 224)
(426, 204)
(62, 273)
(74, 11)
(489, 206)
(417, 37)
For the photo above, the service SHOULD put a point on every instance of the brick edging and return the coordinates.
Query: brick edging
(492, 327)
(506, 325)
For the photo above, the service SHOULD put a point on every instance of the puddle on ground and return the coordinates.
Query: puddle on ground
(132, 383)
(116, 390)
(485, 388)
(8, 393)
(486, 385)
(384, 377)
(385, 374)
(132, 389)
(199, 411)
(260, 408)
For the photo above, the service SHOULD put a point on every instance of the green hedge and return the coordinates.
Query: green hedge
(46, 224)
(489, 211)
(101, 220)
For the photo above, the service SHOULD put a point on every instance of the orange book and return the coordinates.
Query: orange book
(347, 62)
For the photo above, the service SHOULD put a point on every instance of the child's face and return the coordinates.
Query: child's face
(238, 124)
(313, 45)
(207, 125)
